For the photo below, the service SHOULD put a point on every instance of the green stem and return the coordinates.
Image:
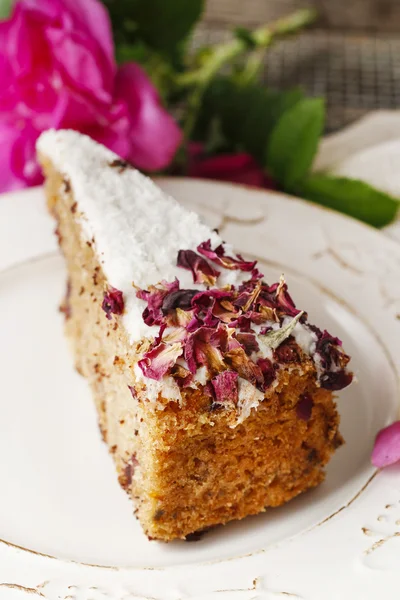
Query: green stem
(227, 52)
(262, 38)
(252, 67)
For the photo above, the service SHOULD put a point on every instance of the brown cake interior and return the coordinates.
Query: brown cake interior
(185, 466)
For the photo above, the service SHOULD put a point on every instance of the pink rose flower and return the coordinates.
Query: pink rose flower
(387, 446)
(236, 167)
(57, 69)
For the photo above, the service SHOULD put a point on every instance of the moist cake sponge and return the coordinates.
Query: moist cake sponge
(214, 394)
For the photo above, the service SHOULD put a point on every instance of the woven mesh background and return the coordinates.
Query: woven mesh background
(356, 73)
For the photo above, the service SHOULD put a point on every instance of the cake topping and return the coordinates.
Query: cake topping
(218, 256)
(225, 386)
(113, 302)
(155, 297)
(119, 164)
(202, 271)
(233, 331)
(158, 361)
(124, 214)
(333, 361)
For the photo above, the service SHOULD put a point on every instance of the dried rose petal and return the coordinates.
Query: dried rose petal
(247, 299)
(155, 296)
(159, 337)
(201, 270)
(243, 323)
(335, 381)
(157, 362)
(208, 302)
(256, 274)
(209, 320)
(204, 298)
(228, 262)
(194, 324)
(287, 352)
(265, 330)
(256, 317)
(330, 351)
(248, 341)
(178, 299)
(238, 360)
(113, 302)
(284, 300)
(222, 337)
(179, 318)
(223, 310)
(268, 313)
(268, 370)
(226, 387)
(233, 342)
(182, 376)
(387, 446)
(304, 407)
(201, 348)
(176, 334)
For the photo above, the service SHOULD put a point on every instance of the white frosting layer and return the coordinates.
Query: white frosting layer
(305, 337)
(249, 397)
(138, 230)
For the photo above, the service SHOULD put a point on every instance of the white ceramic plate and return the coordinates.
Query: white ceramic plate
(67, 527)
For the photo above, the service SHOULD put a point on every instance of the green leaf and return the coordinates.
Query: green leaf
(257, 114)
(246, 36)
(163, 24)
(294, 142)
(216, 141)
(137, 52)
(5, 8)
(282, 101)
(247, 114)
(352, 197)
(274, 338)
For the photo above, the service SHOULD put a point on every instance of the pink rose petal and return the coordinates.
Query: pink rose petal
(18, 159)
(79, 62)
(57, 69)
(238, 168)
(155, 136)
(226, 387)
(155, 297)
(201, 270)
(158, 361)
(219, 257)
(387, 446)
(93, 17)
(113, 302)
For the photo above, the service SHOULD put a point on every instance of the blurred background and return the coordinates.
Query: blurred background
(351, 56)
(231, 90)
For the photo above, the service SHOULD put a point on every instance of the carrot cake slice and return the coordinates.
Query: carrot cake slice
(214, 393)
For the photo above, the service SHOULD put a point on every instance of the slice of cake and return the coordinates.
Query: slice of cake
(214, 393)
